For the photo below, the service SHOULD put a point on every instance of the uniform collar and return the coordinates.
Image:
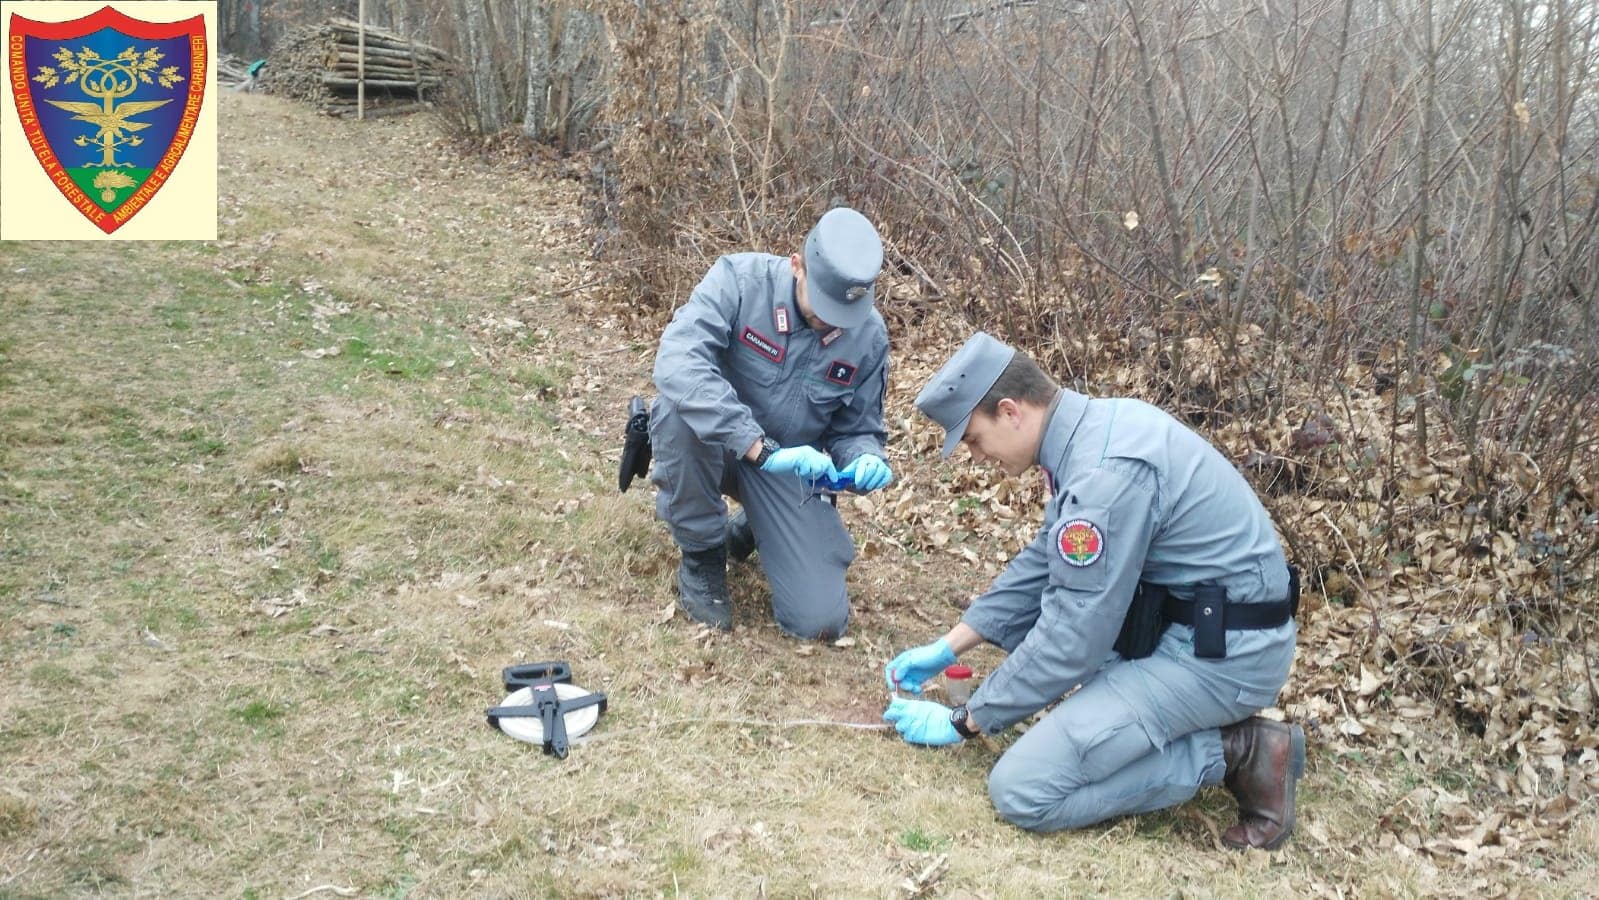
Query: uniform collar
(786, 296)
(1060, 426)
(785, 312)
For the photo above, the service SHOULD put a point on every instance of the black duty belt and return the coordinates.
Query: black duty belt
(1236, 616)
(1210, 601)
(1210, 614)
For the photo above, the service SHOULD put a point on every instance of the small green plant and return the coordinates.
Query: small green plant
(327, 558)
(681, 860)
(399, 829)
(259, 714)
(200, 443)
(921, 841)
(400, 887)
(408, 701)
(174, 318)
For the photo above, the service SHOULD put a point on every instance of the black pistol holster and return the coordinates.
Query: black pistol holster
(1145, 622)
(635, 444)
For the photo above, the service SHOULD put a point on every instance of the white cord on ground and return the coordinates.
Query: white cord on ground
(341, 891)
(758, 723)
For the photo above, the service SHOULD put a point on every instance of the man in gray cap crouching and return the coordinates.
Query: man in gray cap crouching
(1157, 583)
(771, 381)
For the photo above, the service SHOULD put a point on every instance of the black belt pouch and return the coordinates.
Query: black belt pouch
(1210, 621)
(1293, 591)
(1142, 628)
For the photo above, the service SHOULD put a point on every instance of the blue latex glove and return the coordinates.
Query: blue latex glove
(922, 722)
(804, 461)
(909, 669)
(870, 472)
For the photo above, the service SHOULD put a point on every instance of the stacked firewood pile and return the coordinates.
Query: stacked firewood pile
(322, 64)
(232, 72)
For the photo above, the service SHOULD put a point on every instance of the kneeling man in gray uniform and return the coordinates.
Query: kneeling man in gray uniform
(771, 381)
(1157, 583)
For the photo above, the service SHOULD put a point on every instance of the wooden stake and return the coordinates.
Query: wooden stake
(360, 61)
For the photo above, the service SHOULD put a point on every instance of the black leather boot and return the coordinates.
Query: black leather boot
(702, 586)
(740, 537)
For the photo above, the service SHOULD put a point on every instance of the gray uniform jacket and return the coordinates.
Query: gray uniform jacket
(1136, 497)
(738, 362)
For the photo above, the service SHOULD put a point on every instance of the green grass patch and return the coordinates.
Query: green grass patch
(388, 349)
(7, 366)
(490, 392)
(174, 317)
(540, 380)
(174, 614)
(922, 842)
(52, 676)
(261, 716)
(201, 443)
(407, 701)
(398, 887)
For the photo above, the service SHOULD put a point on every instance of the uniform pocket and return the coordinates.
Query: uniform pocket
(750, 367)
(827, 397)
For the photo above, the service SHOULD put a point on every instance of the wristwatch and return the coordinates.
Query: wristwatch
(768, 447)
(957, 717)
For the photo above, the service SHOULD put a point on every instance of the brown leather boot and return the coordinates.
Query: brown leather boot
(1265, 760)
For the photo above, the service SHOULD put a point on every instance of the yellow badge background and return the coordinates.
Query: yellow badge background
(32, 209)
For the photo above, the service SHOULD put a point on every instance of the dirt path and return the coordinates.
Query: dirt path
(277, 510)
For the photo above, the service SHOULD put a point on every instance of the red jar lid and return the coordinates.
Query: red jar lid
(958, 672)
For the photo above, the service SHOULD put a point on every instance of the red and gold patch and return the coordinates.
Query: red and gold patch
(1080, 542)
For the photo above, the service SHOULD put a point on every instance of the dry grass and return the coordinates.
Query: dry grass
(255, 593)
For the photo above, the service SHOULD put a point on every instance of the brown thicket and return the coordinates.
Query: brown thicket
(1275, 205)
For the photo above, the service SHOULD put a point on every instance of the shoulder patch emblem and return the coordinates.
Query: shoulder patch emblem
(1080, 542)
(762, 344)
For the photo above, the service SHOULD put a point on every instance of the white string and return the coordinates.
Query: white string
(758, 723)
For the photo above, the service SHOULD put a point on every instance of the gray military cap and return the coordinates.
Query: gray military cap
(843, 256)
(961, 384)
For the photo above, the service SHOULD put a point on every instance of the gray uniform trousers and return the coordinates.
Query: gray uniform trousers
(804, 549)
(1140, 735)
